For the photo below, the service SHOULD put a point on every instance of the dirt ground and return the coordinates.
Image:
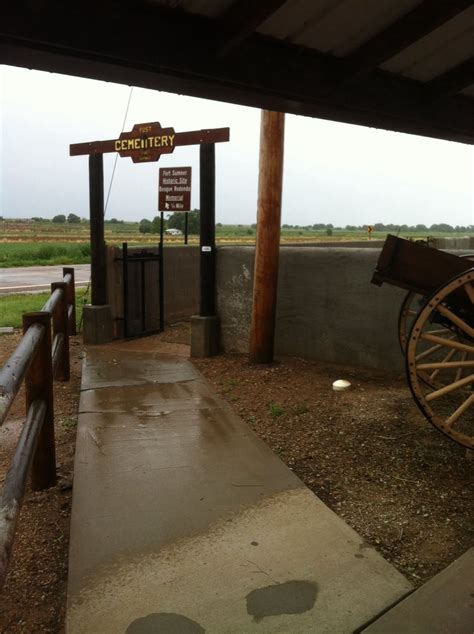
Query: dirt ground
(368, 453)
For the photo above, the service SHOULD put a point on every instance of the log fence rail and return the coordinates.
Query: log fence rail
(41, 356)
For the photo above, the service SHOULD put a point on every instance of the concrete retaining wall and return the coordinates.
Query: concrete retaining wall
(466, 242)
(327, 307)
(181, 273)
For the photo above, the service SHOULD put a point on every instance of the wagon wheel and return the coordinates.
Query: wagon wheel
(409, 310)
(446, 354)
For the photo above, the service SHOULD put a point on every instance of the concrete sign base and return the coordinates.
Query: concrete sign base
(97, 324)
(204, 336)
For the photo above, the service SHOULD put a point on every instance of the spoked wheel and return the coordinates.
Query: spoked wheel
(441, 348)
(408, 312)
(410, 308)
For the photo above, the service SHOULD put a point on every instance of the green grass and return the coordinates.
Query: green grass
(276, 410)
(32, 253)
(50, 243)
(12, 307)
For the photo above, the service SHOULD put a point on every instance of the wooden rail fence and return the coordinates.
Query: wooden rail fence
(41, 356)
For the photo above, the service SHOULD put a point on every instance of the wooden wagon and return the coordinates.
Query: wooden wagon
(436, 331)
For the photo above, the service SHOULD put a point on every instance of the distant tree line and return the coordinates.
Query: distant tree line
(419, 228)
(60, 219)
(388, 228)
(177, 220)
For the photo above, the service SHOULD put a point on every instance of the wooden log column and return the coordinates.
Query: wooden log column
(98, 251)
(272, 130)
(97, 315)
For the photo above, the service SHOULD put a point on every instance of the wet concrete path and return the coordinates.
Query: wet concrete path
(184, 521)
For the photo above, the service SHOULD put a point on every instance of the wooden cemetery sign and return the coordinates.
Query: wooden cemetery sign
(146, 142)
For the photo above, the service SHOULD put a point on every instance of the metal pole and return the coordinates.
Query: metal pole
(125, 287)
(207, 230)
(143, 291)
(161, 275)
(268, 237)
(98, 252)
(186, 228)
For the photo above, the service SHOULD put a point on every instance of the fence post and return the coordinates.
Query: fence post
(39, 385)
(60, 327)
(71, 300)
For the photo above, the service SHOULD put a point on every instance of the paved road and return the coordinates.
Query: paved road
(35, 279)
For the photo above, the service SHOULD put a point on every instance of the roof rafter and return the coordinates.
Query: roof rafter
(453, 80)
(241, 19)
(266, 74)
(408, 29)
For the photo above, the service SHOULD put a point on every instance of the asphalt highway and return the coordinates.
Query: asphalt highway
(37, 279)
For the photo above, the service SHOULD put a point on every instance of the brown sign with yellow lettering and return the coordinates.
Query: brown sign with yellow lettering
(148, 141)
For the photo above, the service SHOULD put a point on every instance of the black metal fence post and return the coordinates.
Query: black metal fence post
(161, 275)
(125, 287)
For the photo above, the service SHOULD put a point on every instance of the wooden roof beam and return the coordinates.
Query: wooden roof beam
(454, 80)
(407, 30)
(241, 19)
(267, 74)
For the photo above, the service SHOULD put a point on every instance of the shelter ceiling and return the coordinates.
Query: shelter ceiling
(404, 65)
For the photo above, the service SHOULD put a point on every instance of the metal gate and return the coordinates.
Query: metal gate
(143, 312)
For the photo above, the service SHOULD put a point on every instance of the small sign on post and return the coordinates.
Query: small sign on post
(174, 189)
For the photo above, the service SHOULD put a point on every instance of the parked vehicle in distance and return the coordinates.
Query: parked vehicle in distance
(173, 232)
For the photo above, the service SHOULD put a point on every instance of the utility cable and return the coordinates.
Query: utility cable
(116, 154)
(86, 293)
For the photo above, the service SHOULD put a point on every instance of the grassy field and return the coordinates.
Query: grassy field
(12, 307)
(32, 253)
(31, 243)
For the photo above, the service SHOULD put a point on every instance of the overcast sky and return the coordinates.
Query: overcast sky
(338, 173)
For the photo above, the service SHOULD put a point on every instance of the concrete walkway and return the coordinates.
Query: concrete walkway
(184, 521)
(444, 605)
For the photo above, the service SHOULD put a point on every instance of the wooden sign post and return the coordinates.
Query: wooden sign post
(144, 143)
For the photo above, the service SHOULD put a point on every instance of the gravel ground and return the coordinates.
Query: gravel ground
(368, 453)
